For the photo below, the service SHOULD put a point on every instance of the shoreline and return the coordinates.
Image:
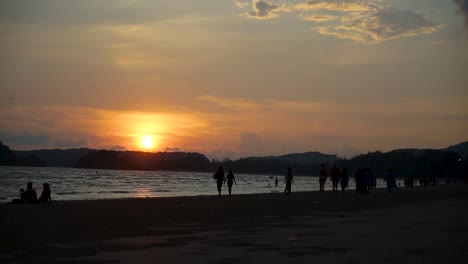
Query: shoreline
(169, 226)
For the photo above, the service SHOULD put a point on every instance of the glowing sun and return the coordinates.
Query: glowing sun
(147, 141)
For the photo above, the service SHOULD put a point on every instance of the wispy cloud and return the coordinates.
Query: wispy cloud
(241, 4)
(317, 17)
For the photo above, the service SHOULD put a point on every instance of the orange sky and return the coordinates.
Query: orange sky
(233, 78)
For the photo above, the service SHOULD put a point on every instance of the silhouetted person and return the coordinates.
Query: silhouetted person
(344, 179)
(45, 195)
(230, 179)
(30, 194)
(219, 176)
(334, 175)
(276, 182)
(289, 180)
(391, 180)
(322, 177)
(360, 182)
(22, 198)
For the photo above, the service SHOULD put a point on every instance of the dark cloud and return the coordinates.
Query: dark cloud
(24, 138)
(381, 24)
(172, 149)
(118, 148)
(463, 5)
(70, 143)
(265, 10)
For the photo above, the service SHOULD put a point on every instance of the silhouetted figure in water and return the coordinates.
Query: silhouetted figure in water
(344, 179)
(45, 195)
(391, 180)
(230, 179)
(219, 176)
(289, 180)
(276, 182)
(322, 177)
(334, 175)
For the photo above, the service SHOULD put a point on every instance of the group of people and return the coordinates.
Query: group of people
(336, 177)
(222, 179)
(30, 196)
(364, 179)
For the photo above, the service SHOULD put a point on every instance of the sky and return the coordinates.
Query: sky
(234, 78)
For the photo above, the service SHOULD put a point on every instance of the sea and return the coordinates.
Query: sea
(94, 184)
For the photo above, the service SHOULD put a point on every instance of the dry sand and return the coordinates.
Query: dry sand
(420, 225)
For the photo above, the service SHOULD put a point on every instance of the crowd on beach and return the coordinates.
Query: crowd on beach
(364, 178)
(30, 196)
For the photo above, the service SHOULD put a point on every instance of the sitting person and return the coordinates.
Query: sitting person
(30, 194)
(45, 195)
(21, 200)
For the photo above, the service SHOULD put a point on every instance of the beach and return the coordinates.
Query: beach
(418, 225)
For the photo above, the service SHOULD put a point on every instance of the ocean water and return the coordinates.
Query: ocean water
(91, 184)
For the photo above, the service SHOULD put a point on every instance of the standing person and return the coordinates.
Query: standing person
(359, 179)
(344, 178)
(323, 177)
(276, 182)
(45, 195)
(289, 180)
(219, 176)
(334, 175)
(391, 180)
(230, 179)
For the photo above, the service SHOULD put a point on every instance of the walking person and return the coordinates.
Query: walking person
(334, 175)
(219, 177)
(289, 180)
(230, 179)
(323, 177)
(344, 179)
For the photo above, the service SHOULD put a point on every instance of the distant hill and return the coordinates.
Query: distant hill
(56, 157)
(308, 158)
(406, 162)
(136, 160)
(461, 149)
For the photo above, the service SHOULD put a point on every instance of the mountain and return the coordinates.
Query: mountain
(308, 158)
(55, 157)
(137, 160)
(461, 149)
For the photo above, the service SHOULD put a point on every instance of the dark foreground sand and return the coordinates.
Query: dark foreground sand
(420, 225)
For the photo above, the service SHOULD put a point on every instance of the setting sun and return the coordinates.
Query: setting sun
(147, 141)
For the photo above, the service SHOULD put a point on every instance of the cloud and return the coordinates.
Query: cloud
(265, 10)
(229, 103)
(362, 21)
(70, 143)
(172, 149)
(463, 5)
(241, 4)
(336, 5)
(24, 138)
(317, 17)
(381, 25)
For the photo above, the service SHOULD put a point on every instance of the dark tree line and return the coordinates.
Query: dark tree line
(419, 163)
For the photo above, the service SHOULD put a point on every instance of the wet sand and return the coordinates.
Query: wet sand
(419, 225)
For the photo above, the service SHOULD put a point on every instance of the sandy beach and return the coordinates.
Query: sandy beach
(419, 225)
